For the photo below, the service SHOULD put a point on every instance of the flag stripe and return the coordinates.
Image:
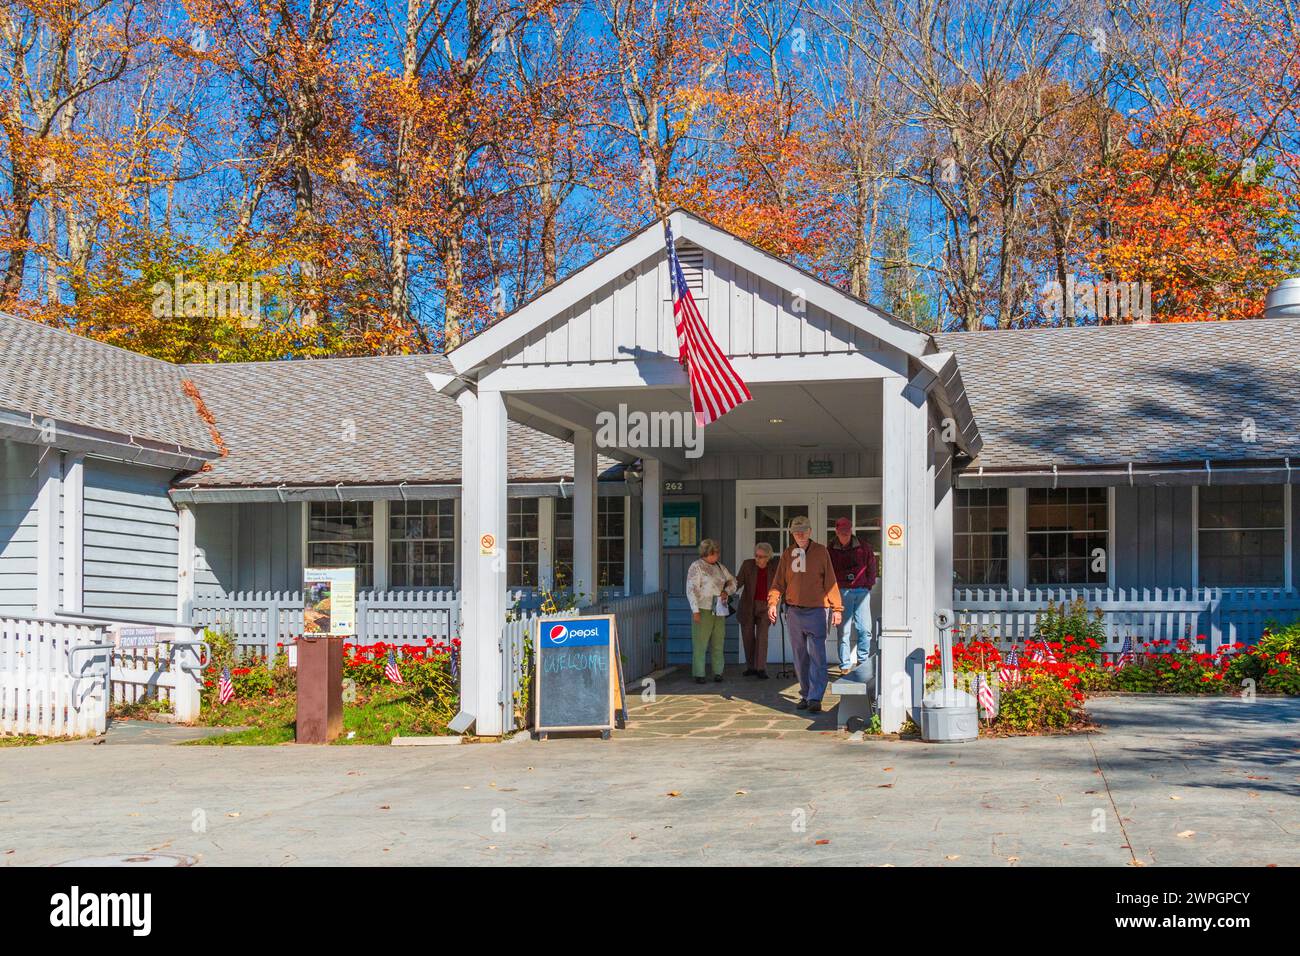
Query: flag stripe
(716, 388)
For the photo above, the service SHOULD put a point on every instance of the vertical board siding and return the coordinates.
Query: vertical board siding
(130, 542)
(632, 314)
(1153, 531)
(18, 488)
(214, 534)
(720, 525)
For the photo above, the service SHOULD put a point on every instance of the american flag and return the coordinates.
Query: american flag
(715, 387)
(1126, 655)
(390, 669)
(226, 686)
(1042, 655)
(984, 693)
(1009, 673)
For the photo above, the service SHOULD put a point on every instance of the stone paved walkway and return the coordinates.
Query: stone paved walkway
(737, 707)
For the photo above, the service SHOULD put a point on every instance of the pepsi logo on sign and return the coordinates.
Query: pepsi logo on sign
(575, 633)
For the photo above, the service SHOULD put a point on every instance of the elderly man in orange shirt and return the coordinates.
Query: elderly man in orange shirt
(806, 579)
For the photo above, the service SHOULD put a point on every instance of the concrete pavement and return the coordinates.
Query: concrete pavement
(1165, 781)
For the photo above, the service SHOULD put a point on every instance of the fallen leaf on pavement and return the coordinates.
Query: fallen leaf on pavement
(1187, 833)
(953, 856)
(821, 842)
(674, 793)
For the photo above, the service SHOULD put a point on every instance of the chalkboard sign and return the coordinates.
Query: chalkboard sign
(576, 678)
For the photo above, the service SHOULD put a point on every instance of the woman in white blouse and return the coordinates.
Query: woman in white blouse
(708, 583)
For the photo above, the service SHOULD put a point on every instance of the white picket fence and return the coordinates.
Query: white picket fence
(260, 620)
(642, 631)
(52, 678)
(1219, 615)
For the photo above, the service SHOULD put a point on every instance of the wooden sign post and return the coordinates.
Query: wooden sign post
(577, 683)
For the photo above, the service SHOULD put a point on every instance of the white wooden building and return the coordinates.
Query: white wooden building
(133, 490)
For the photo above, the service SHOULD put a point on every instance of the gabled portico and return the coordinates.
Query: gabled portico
(846, 378)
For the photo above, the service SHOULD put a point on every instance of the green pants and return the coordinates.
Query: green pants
(708, 634)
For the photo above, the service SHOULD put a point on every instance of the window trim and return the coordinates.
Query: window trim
(956, 492)
(1024, 533)
(538, 566)
(305, 542)
(1287, 558)
(455, 547)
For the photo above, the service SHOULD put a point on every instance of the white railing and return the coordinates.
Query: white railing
(258, 621)
(516, 637)
(52, 678)
(1219, 615)
(642, 631)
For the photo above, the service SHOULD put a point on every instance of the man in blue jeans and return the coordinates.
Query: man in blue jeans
(855, 573)
(805, 579)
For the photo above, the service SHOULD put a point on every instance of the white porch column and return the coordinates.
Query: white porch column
(651, 517)
(943, 502)
(184, 563)
(483, 558)
(546, 542)
(907, 568)
(74, 533)
(50, 479)
(584, 516)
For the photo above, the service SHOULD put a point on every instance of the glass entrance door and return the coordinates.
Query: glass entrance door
(772, 523)
(764, 512)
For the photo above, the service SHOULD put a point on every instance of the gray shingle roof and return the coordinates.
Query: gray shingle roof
(48, 372)
(353, 420)
(1148, 394)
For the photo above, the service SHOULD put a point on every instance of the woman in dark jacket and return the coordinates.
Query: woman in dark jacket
(755, 580)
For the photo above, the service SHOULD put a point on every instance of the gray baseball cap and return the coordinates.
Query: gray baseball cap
(800, 523)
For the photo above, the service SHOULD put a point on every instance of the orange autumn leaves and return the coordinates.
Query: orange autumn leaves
(1207, 231)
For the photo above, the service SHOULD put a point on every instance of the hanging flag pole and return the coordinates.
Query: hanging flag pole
(716, 388)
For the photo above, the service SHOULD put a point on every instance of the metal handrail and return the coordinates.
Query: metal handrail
(78, 678)
(204, 659)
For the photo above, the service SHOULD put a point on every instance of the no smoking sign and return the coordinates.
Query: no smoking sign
(894, 535)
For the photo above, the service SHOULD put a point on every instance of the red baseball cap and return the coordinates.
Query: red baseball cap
(843, 524)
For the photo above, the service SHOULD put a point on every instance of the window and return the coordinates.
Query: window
(1066, 526)
(866, 523)
(522, 543)
(341, 534)
(611, 541)
(772, 524)
(1241, 537)
(979, 537)
(562, 556)
(422, 543)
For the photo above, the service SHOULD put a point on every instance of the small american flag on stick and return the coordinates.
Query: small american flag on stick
(391, 670)
(984, 693)
(1009, 673)
(715, 387)
(226, 686)
(1126, 655)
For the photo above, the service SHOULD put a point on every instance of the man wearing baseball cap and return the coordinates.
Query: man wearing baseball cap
(806, 579)
(855, 570)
